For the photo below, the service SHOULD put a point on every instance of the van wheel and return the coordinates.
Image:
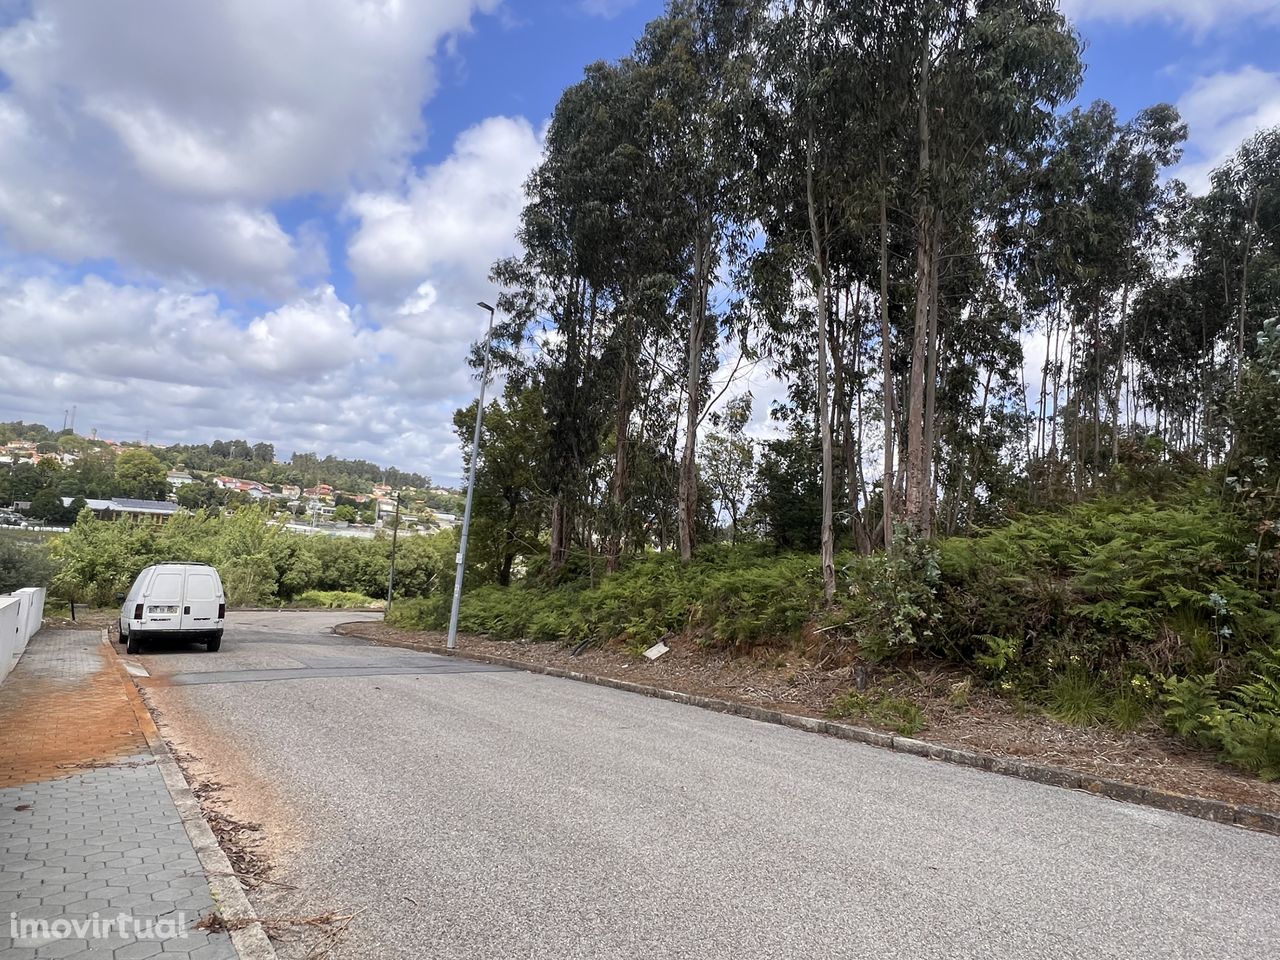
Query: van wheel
(135, 645)
(214, 644)
(123, 638)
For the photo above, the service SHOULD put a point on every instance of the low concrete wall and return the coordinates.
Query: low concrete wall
(21, 614)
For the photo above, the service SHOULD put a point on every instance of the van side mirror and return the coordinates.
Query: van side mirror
(119, 598)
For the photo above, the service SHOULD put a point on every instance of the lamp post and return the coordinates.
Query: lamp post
(395, 531)
(471, 487)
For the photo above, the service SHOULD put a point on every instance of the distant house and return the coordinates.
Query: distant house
(127, 507)
(179, 479)
(256, 490)
(291, 491)
(320, 490)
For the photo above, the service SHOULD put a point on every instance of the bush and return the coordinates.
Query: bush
(1244, 725)
(24, 562)
(260, 562)
(1125, 586)
(729, 597)
(336, 600)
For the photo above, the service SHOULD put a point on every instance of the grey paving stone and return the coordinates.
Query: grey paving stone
(62, 948)
(102, 839)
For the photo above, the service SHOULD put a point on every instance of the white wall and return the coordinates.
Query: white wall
(21, 614)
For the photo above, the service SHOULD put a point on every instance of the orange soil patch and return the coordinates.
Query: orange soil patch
(52, 723)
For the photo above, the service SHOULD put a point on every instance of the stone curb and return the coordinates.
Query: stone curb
(1218, 811)
(247, 936)
(289, 609)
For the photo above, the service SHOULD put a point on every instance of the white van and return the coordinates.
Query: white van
(178, 601)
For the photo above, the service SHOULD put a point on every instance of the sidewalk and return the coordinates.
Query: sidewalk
(95, 860)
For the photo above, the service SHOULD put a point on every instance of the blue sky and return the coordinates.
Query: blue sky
(272, 221)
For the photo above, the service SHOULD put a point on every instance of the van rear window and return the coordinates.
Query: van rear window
(199, 586)
(166, 586)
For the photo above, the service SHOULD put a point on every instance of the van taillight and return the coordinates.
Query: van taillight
(222, 611)
(137, 611)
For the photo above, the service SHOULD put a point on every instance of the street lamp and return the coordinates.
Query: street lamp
(471, 487)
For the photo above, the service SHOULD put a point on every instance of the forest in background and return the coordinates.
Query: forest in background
(1030, 379)
(889, 207)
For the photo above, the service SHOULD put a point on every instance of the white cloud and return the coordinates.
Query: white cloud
(1221, 110)
(1196, 15)
(309, 375)
(155, 132)
(606, 9)
(458, 216)
(153, 140)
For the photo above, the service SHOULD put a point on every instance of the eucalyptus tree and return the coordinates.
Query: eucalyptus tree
(565, 294)
(699, 57)
(811, 136)
(1024, 58)
(728, 459)
(1236, 246)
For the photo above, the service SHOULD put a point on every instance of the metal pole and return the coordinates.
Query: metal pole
(395, 530)
(471, 489)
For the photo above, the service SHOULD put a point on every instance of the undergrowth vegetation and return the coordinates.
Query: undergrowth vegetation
(730, 597)
(1119, 611)
(336, 600)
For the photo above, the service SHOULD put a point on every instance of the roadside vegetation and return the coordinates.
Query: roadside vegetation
(1027, 428)
(260, 563)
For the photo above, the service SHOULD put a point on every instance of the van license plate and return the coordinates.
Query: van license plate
(162, 609)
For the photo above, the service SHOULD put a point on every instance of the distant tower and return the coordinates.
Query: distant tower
(65, 415)
(73, 420)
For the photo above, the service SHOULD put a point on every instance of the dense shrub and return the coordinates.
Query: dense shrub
(336, 600)
(259, 561)
(1243, 723)
(24, 561)
(728, 597)
(1117, 586)
(1085, 610)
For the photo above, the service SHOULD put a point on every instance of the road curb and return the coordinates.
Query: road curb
(1218, 811)
(247, 935)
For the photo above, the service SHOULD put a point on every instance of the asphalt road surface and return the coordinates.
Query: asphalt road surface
(465, 811)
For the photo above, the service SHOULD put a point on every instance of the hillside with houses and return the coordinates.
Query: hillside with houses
(47, 477)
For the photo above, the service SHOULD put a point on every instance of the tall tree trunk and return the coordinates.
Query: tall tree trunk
(857, 479)
(1244, 289)
(687, 507)
(886, 359)
(917, 506)
(559, 533)
(931, 372)
(1119, 382)
(824, 399)
(621, 457)
(508, 544)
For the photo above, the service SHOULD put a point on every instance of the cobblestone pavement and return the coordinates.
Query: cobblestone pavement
(94, 859)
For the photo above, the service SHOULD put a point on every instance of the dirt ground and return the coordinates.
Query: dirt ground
(957, 712)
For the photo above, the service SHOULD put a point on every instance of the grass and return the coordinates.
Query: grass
(336, 600)
(899, 714)
(729, 598)
(1077, 698)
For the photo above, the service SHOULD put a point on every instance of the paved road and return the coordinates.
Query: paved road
(493, 814)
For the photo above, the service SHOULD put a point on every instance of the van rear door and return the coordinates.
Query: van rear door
(162, 600)
(200, 608)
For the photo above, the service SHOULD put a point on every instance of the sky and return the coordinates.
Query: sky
(273, 221)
